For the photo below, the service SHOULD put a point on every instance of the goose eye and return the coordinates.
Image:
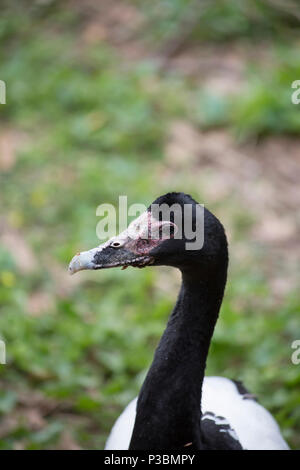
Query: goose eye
(116, 244)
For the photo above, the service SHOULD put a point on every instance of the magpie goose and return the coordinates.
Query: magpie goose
(177, 407)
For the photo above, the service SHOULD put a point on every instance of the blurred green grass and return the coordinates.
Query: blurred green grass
(95, 130)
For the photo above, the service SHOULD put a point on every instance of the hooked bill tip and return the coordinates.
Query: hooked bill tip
(83, 260)
(75, 264)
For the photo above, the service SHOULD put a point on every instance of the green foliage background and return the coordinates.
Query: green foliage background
(97, 130)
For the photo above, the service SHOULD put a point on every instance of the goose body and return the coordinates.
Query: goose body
(232, 412)
(177, 406)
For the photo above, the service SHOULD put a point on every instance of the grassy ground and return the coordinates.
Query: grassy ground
(95, 109)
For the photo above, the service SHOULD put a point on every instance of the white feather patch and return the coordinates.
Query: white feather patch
(252, 425)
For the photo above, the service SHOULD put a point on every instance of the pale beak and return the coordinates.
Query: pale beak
(109, 255)
(132, 247)
(83, 260)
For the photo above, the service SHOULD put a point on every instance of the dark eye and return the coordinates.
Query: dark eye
(116, 244)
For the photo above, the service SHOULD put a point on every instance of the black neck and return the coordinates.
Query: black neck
(169, 405)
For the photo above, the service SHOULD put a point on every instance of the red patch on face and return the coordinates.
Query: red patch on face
(143, 245)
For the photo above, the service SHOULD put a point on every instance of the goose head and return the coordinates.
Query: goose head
(174, 231)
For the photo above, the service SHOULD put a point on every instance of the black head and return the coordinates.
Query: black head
(198, 237)
(174, 231)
